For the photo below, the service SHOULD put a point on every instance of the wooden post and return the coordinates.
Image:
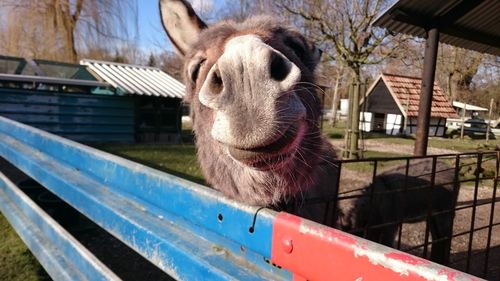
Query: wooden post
(405, 116)
(335, 101)
(347, 137)
(426, 92)
(489, 121)
(354, 153)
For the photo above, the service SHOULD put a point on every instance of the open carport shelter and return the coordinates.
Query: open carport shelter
(93, 102)
(469, 24)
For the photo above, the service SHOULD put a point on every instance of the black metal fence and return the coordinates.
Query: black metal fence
(442, 207)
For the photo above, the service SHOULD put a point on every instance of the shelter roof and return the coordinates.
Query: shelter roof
(406, 93)
(136, 79)
(469, 24)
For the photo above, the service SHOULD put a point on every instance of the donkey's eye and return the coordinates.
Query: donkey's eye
(195, 70)
(296, 46)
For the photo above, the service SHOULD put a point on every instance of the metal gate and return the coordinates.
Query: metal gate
(442, 207)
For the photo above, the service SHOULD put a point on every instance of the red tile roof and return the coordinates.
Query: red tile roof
(406, 90)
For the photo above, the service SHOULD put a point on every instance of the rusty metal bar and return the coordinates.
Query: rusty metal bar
(405, 190)
(430, 189)
(372, 191)
(424, 108)
(492, 214)
(456, 190)
(473, 216)
(336, 194)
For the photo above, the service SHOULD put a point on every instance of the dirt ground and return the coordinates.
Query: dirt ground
(374, 145)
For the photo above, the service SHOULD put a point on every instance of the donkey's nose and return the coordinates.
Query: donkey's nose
(248, 69)
(280, 67)
(249, 62)
(215, 81)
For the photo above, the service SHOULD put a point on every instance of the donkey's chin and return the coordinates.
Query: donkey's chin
(274, 156)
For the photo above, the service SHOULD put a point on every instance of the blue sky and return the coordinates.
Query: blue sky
(152, 37)
(151, 34)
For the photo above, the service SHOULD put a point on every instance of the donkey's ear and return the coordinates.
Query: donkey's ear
(316, 53)
(181, 23)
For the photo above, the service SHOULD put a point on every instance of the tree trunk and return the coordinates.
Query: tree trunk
(335, 101)
(352, 126)
(449, 81)
(66, 24)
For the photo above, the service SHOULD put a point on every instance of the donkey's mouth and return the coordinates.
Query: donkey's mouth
(274, 155)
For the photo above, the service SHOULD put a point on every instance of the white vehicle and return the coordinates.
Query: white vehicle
(474, 128)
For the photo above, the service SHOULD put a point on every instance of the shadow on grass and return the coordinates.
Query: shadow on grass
(381, 135)
(335, 135)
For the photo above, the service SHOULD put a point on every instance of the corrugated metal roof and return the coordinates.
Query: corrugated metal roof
(51, 80)
(406, 92)
(469, 24)
(135, 79)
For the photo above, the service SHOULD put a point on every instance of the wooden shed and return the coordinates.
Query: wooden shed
(391, 106)
(105, 102)
(156, 95)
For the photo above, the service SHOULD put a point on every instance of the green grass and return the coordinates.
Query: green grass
(179, 160)
(17, 263)
(367, 167)
(336, 132)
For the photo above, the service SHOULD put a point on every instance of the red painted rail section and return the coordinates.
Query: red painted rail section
(316, 252)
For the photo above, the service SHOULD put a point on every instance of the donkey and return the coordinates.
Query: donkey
(397, 195)
(255, 107)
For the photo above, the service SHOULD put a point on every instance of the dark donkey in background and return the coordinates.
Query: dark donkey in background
(256, 111)
(407, 194)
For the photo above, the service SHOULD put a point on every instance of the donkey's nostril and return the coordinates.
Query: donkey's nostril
(279, 67)
(216, 83)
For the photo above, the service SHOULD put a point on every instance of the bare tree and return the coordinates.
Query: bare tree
(239, 10)
(59, 29)
(458, 67)
(172, 64)
(344, 30)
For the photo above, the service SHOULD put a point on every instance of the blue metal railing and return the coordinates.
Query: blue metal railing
(187, 230)
(54, 247)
